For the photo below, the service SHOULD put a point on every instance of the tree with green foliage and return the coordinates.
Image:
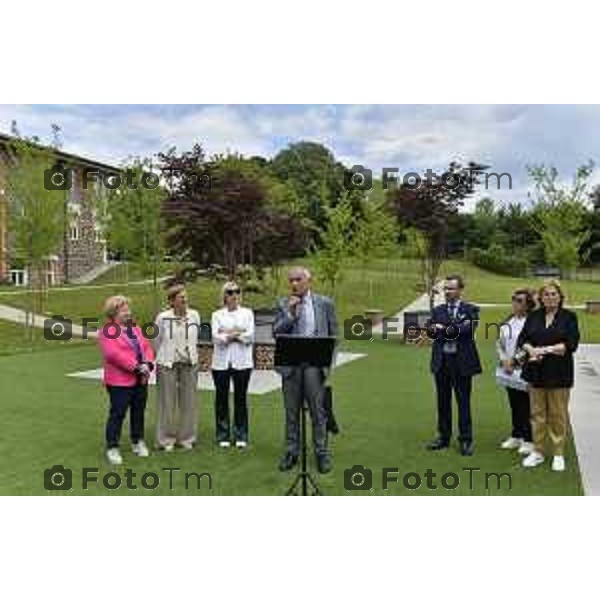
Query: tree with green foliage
(133, 222)
(375, 236)
(484, 224)
(317, 179)
(336, 244)
(230, 211)
(36, 215)
(560, 215)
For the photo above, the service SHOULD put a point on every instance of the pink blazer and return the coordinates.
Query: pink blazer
(118, 354)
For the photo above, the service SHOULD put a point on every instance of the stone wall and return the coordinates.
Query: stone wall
(264, 354)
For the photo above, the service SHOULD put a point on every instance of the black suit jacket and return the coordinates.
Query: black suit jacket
(460, 330)
(552, 371)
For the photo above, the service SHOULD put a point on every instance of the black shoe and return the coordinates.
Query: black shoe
(289, 461)
(438, 444)
(323, 463)
(332, 427)
(466, 448)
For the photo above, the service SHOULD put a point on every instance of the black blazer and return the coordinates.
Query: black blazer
(462, 332)
(552, 371)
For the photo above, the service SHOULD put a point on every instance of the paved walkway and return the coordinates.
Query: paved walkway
(262, 381)
(421, 303)
(585, 416)
(96, 286)
(17, 315)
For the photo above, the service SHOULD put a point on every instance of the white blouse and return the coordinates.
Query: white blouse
(509, 333)
(237, 354)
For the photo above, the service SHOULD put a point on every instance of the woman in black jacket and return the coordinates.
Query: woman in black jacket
(550, 337)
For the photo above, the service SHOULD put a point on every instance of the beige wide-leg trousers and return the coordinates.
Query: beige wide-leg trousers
(176, 420)
(549, 418)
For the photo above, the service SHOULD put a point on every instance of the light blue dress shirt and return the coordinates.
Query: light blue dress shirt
(306, 321)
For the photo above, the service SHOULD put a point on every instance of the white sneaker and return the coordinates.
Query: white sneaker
(511, 443)
(224, 444)
(241, 444)
(525, 448)
(533, 460)
(168, 448)
(114, 456)
(558, 463)
(187, 445)
(140, 449)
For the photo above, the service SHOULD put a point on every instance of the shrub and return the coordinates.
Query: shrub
(253, 286)
(500, 260)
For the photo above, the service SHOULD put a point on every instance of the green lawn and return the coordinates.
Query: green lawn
(483, 286)
(14, 340)
(124, 272)
(388, 284)
(384, 403)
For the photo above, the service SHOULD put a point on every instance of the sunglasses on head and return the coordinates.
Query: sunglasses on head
(520, 299)
(232, 292)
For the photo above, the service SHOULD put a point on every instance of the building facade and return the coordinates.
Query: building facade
(83, 247)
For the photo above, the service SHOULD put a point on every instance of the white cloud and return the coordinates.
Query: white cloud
(506, 137)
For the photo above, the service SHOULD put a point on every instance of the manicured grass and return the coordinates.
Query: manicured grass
(483, 286)
(384, 403)
(123, 272)
(387, 284)
(13, 340)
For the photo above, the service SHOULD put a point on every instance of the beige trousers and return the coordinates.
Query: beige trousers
(549, 418)
(176, 420)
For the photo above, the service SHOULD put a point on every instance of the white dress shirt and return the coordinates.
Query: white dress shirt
(306, 315)
(236, 354)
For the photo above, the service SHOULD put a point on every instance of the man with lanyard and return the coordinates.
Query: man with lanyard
(454, 362)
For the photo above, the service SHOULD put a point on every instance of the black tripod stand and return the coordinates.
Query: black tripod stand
(304, 478)
(301, 352)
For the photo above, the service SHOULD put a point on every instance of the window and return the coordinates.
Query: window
(74, 233)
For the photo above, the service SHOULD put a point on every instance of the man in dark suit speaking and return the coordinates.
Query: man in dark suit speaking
(454, 362)
(305, 314)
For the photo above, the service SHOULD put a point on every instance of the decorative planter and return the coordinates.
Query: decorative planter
(414, 331)
(264, 355)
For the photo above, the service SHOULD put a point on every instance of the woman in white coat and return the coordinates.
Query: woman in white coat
(177, 372)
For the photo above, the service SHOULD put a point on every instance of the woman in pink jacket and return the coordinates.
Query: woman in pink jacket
(128, 361)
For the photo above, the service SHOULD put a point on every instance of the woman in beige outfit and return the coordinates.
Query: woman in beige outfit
(177, 372)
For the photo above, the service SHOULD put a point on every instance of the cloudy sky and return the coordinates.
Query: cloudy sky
(409, 137)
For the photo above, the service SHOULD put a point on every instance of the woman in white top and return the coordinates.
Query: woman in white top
(233, 358)
(509, 373)
(177, 372)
